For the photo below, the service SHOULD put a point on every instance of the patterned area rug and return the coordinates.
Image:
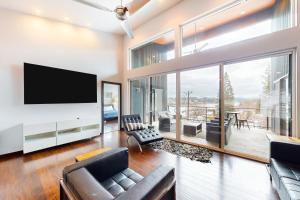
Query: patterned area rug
(189, 151)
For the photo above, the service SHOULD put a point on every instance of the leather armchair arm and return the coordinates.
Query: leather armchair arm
(110, 163)
(82, 185)
(285, 151)
(159, 183)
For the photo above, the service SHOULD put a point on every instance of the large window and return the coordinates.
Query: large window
(255, 98)
(236, 107)
(156, 51)
(200, 106)
(240, 21)
(163, 103)
(139, 91)
(258, 102)
(154, 98)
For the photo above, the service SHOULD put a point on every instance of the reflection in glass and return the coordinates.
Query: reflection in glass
(139, 94)
(243, 21)
(163, 104)
(200, 106)
(258, 101)
(156, 51)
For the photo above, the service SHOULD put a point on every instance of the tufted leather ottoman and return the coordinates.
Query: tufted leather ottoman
(147, 136)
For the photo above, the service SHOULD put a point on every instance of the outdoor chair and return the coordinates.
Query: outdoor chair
(244, 117)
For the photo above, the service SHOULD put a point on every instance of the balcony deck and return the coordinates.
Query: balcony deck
(252, 142)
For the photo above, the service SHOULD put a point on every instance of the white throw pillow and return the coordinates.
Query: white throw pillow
(135, 126)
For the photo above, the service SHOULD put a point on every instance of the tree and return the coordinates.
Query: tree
(228, 92)
(267, 81)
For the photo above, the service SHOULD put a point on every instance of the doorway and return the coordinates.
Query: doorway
(111, 106)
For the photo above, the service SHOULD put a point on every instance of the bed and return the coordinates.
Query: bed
(110, 113)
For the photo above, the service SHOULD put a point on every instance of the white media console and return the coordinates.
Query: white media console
(42, 136)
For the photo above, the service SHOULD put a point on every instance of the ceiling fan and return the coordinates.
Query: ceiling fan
(120, 11)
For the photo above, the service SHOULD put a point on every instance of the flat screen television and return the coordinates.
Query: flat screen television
(47, 85)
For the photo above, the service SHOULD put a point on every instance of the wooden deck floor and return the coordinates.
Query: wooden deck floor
(252, 142)
(35, 176)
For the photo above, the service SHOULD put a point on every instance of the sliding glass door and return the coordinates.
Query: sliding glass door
(257, 104)
(254, 98)
(163, 104)
(199, 109)
(154, 98)
(139, 98)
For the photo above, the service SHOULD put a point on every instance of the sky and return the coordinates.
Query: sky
(246, 79)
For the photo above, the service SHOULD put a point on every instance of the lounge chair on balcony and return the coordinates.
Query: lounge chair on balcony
(166, 122)
(213, 131)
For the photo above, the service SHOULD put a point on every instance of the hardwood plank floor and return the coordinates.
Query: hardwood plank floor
(35, 176)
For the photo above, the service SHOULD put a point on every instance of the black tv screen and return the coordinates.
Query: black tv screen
(47, 85)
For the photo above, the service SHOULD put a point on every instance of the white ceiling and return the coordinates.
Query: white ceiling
(75, 13)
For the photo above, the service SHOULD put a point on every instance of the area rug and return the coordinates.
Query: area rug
(185, 150)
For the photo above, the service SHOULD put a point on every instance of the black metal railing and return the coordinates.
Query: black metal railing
(257, 117)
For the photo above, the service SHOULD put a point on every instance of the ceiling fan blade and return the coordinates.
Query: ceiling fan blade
(135, 5)
(85, 2)
(127, 28)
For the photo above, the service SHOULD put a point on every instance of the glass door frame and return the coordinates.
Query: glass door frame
(294, 117)
(129, 93)
(221, 65)
(178, 105)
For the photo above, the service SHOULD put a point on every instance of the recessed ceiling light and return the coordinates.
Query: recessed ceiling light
(243, 12)
(37, 11)
(89, 24)
(67, 19)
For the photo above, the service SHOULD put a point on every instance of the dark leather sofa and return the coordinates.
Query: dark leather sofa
(285, 169)
(213, 131)
(107, 177)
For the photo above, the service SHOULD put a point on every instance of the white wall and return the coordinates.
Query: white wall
(168, 20)
(25, 38)
(177, 15)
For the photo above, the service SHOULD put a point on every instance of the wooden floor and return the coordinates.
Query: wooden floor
(36, 175)
(110, 126)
